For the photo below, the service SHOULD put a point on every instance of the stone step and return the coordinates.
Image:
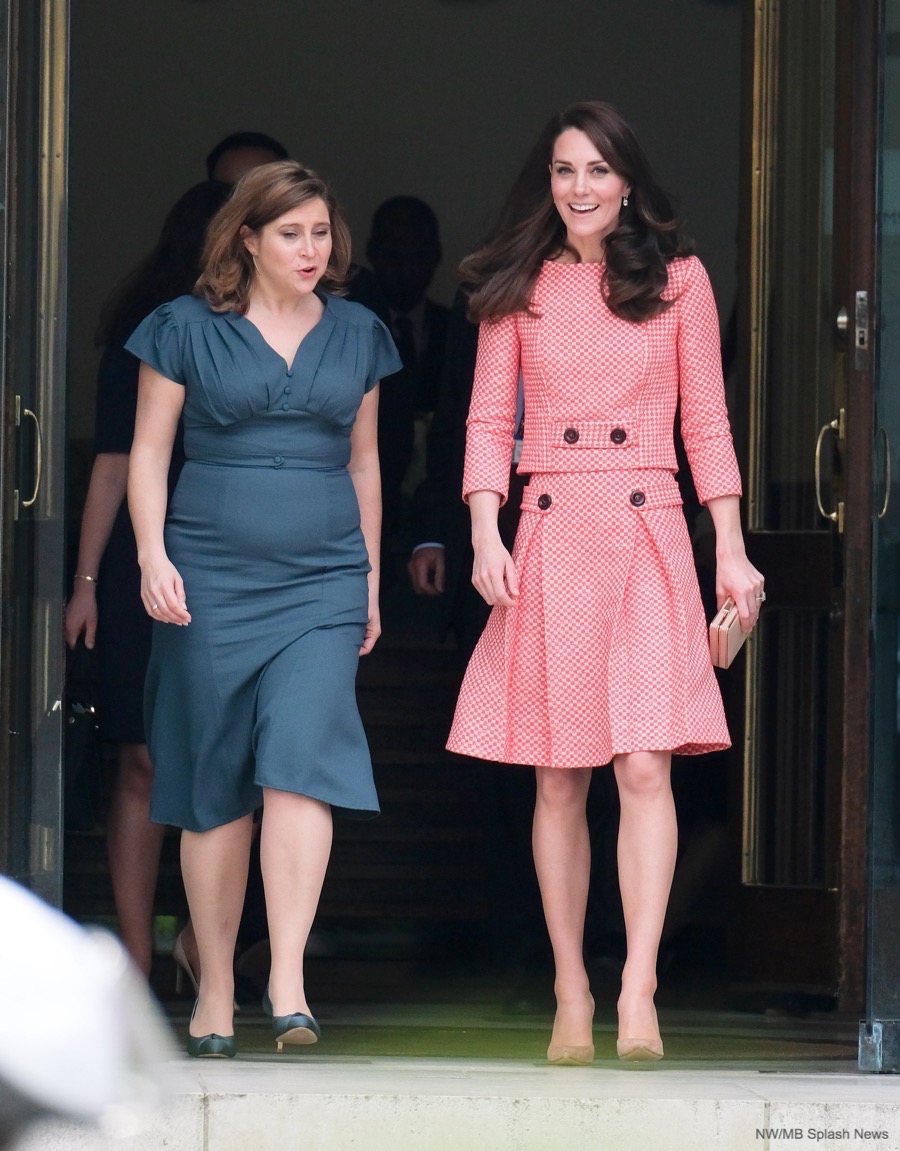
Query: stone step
(262, 1103)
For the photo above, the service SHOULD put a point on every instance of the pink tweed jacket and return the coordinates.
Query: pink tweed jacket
(606, 407)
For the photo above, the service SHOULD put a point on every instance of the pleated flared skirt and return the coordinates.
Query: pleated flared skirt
(606, 650)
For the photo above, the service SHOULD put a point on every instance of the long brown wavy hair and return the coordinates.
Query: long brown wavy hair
(500, 275)
(261, 196)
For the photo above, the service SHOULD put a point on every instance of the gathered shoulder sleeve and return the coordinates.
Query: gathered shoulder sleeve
(492, 414)
(704, 417)
(158, 341)
(385, 359)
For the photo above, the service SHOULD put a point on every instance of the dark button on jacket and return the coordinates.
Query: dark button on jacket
(544, 502)
(570, 435)
(618, 435)
(638, 498)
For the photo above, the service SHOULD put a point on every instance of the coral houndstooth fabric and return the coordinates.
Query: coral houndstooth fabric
(606, 650)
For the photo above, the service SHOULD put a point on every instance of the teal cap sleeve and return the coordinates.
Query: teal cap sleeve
(157, 341)
(385, 359)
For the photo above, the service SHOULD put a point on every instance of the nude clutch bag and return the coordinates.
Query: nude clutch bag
(726, 636)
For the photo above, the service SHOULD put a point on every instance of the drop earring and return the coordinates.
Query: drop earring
(624, 201)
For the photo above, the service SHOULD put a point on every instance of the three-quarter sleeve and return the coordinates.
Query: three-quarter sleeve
(158, 341)
(492, 414)
(385, 359)
(704, 417)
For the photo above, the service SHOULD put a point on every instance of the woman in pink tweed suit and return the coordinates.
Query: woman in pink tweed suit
(596, 650)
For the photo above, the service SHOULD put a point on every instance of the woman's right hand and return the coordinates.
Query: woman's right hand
(162, 592)
(81, 614)
(494, 573)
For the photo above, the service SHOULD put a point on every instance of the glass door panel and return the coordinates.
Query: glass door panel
(880, 1035)
(795, 654)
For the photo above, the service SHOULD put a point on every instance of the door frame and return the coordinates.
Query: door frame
(33, 376)
(825, 926)
(855, 268)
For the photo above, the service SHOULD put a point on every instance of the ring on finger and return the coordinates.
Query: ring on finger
(760, 597)
(154, 607)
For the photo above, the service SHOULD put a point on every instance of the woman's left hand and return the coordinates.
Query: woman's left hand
(738, 578)
(373, 627)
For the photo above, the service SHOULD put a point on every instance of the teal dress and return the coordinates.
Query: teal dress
(259, 689)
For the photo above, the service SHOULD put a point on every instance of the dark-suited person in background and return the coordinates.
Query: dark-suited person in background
(404, 251)
(238, 152)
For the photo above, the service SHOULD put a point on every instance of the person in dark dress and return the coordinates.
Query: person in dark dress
(105, 606)
(262, 579)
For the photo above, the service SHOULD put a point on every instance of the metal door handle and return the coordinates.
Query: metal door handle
(38, 455)
(837, 516)
(888, 468)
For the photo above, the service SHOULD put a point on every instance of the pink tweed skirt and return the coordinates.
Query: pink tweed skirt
(606, 649)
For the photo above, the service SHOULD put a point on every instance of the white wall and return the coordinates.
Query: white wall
(436, 98)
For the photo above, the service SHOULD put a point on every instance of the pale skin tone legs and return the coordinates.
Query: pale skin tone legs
(648, 839)
(294, 850)
(648, 842)
(562, 859)
(295, 845)
(214, 868)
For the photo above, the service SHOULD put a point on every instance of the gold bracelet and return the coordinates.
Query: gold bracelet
(90, 579)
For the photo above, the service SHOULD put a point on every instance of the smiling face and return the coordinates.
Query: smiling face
(586, 191)
(292, 252)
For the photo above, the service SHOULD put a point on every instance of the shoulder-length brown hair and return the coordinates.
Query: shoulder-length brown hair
(264, 194)
(501, 274)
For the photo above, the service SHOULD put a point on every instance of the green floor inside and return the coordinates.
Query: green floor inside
(367, 1011)
(687, 1042)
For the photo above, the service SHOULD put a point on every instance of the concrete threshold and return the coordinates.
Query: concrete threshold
(258, 1103)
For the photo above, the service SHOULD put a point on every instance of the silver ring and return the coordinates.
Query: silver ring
(156, 605)
(760, 597)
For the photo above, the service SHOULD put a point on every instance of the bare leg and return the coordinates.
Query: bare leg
(189, 940)
(295, 846)
(133, 845)
(648, 841)
(562, 858)
(214, 868)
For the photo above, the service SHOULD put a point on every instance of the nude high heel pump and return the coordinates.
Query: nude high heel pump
(183, 968)
(571, 1055)
(639, 1050)
(563, 1055)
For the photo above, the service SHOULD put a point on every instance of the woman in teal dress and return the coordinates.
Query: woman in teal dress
(263, 578)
